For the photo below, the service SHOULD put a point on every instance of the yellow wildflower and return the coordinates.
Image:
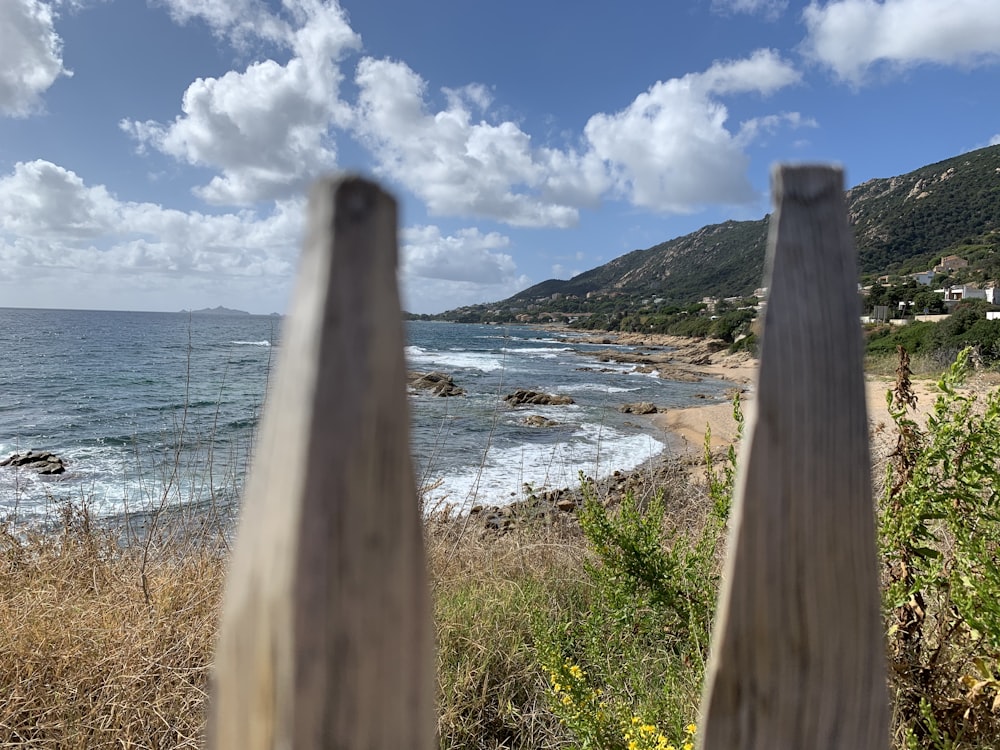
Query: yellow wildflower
(691, 728)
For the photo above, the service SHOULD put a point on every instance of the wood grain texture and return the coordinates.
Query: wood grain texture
(325, 639)
(798, 656)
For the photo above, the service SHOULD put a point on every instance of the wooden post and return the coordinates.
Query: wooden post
(798, 655)
(325, 639)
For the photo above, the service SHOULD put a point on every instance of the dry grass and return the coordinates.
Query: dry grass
(93, 656)
(85, 660)
(489, 590)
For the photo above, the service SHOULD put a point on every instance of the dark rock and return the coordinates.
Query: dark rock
(438, 383)
(537, 420)
(43, 462)
(640, 407)
(522, 396)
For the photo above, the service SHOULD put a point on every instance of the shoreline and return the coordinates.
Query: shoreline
(685, 427)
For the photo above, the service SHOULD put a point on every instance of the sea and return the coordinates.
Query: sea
(153, 410)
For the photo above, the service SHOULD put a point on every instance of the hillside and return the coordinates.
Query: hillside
(902, 224)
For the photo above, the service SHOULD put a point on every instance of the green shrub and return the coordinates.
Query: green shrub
(626, 672)
(939, 539)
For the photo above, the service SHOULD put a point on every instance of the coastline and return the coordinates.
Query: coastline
(687, 426)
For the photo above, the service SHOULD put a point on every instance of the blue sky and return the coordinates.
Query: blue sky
(154, 154)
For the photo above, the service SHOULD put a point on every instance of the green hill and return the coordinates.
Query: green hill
(902, 225)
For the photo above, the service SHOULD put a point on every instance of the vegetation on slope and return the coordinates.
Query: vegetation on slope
(901, 225)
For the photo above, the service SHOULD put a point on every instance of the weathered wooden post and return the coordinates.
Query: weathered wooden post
(798, 660)
(325, 639)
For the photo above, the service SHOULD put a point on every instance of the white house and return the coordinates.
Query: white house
(965, 291)
(924, 277)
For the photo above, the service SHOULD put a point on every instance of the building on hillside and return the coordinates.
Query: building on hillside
(992, 294)
(963, 292)
(923, 278)
(950, 263)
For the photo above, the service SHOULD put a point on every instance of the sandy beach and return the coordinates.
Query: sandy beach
(706, 359)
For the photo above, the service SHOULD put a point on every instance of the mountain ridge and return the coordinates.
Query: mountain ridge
(901, 224)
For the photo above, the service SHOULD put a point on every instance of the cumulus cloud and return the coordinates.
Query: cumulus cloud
(32, 55)
(670, 149)
(239, 21)
(770, 9)
(54, 227)
(850, 36)
(50, 220)
(466, 267)
(267, 129)
(460, 166)
(468, 255)
(995, 140)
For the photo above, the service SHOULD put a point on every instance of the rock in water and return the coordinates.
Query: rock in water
(537, 420)
(522, 396)
(438, 383)
(42, 462)
(640, 407)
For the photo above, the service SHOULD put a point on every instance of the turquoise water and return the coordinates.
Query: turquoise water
(151, 408)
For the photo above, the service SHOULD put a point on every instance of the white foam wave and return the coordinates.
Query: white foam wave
(600, 388)
(539, 350)
(108, 481)
(454, 359)
(593, 449)
(250, 343)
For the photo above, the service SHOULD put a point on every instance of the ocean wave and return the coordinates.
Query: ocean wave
(250, 343)
(110, 481)
(599, 387)
(595, 449)
(540, 350)
(454, 359)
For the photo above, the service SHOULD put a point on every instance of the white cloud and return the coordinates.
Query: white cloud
(267, 128)
(57, 230)
(559, 271)
(461, 167)
(995, 140)
(31, 55)
(670, 149)
(752, 129)
(851, 35)
(238, 20)
(439, 271)
(52, 222)
(467, 255)
(770, 9)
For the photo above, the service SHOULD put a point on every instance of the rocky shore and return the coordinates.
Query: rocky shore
(696, 359)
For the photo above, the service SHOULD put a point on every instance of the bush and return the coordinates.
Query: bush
(626, 672)
(939, 539)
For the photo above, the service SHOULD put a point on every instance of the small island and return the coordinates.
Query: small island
(220, 310)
